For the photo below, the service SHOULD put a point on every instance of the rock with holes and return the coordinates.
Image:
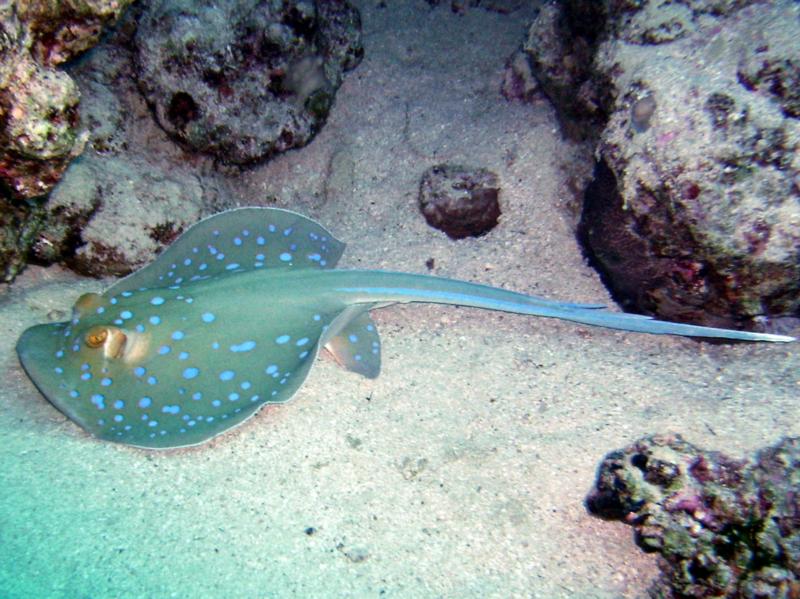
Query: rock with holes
(702, 221)
(461, 201)
(113, 214)
(244, 79)
(724, 527)
(694, 213)
(132, 191)
(39, 131)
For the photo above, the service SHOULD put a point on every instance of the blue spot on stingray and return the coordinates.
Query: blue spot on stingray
(237, 241)
(155, 320)
(352, 338)
(314, 257)
(178, 335)
(126, 293)
(151, 380)
(60, 353)
(215, 345)
(183, 355)
(203, 266)
(139, 371)
(59, 370)
(260, 240)
(157, 300)
(197, 396)
(282, 339)
(140, 328)
(271, 369)
(106, 382)
(317, 317)
(216, 403)
(287, 232)
(232, 266)
(171, 409)
(208, 317)
(259, 257)
(190, 373)
(74, 393)
(226, 375)
(233, 396)
(86, 376)
(285, 256)
(245, 385)
(152, 423)
(100, 310)
(302, 341)
(370, 328)
(119, 404)
(188, 261)
(126, 314)
(113, 300)
(118, 418)
(303, 355)
(357, 357)
(164, 349)
(118, 321)
(99, 401)
(244, 346)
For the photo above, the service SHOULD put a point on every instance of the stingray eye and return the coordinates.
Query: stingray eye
(111, 339)
(96, 336)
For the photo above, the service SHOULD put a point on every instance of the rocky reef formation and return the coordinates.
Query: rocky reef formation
(694, 211)
(243, 80)
(39, 132)
(239, 80)
(725, 527)
(132, 191)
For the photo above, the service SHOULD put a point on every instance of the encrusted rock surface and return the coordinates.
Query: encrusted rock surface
(39, 128)
(725, 527)
(132, 191)
(244, 79)
(694, 213)
(461, 201)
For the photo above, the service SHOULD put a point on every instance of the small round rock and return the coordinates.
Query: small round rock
(459, 200)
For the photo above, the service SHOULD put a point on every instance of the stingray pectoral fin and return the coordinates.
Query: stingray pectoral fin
(37, 348)
(238, 241)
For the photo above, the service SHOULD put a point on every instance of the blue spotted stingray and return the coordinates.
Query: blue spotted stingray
(231, 317)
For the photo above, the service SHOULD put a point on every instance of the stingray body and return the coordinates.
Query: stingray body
(231, 317)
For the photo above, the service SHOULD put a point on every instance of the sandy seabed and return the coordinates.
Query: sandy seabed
(462, 470)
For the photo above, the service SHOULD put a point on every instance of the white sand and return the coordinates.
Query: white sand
(461, 471)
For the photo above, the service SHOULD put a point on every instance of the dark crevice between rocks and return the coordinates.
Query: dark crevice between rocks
(599, 196)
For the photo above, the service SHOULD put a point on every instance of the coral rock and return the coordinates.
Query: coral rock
(694, 213)
(39, 125)
(724, 527)
(460, 201)
(243, 80)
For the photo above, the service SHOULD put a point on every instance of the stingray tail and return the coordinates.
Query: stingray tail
(389, 287)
